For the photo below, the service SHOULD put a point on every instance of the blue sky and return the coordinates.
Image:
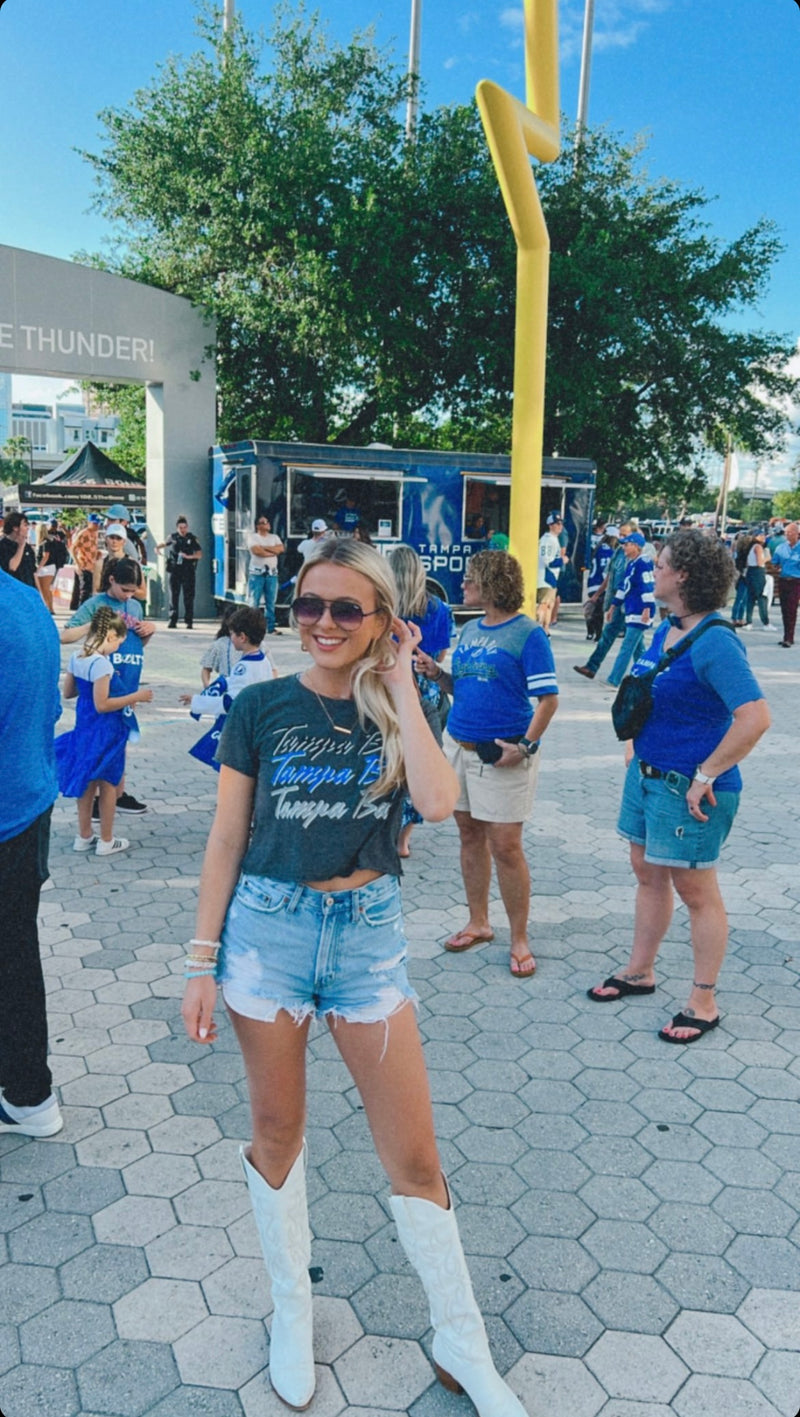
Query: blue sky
(714, 83)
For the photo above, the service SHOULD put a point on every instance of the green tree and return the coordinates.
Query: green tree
(127, 401)
(15, 460)
(363, 287)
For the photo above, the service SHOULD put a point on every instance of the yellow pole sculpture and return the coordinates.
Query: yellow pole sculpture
(515, 132)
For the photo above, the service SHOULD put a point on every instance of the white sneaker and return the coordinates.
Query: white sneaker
(111, 848)
(43, 1120)
(84, 843)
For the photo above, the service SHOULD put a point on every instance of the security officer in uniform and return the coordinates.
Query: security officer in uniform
(182, 557)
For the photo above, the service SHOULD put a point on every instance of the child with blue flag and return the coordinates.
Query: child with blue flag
(247, 629)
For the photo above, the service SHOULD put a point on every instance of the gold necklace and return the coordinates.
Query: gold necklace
(337, 727)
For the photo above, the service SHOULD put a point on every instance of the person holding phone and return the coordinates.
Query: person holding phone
(502, 664)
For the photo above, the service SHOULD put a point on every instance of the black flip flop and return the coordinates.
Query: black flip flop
(703, 1025)
(623, 988)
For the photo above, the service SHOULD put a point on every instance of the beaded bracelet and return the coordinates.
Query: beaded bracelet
(211, 944)
(199, 973)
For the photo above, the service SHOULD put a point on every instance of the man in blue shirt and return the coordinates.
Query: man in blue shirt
(29, 709)
(637, 598)
(614, 624)
(786, 557)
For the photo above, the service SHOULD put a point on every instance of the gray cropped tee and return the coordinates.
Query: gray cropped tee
(312, 817)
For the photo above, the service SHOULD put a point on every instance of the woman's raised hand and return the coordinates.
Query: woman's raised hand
(406, 636)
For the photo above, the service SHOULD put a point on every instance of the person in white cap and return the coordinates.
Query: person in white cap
(319, 530)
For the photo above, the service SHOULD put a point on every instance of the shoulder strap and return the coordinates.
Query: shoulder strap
(672, 654)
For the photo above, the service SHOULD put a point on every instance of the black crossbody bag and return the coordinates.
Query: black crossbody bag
(633, 704)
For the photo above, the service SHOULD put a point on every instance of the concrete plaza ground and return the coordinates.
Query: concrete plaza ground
(630, 1210)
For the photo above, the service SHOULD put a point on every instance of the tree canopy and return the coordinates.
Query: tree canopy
(363, 286)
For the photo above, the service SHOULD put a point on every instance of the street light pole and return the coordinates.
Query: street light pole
(586, 72)
(227, 20)
(412, 106)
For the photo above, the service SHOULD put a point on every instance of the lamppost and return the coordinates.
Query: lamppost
(412, 106)
(228, 14)
(586, 71)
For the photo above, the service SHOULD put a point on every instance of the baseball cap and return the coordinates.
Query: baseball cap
(115, 530)
(94, 518)
(118, 512)
(553, 517)
(635, 537)
(612, 530)
(319, 525)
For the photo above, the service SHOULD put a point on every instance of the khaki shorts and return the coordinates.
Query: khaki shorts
(546, 595)
(489, 793)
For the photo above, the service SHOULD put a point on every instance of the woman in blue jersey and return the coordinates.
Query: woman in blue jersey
(502, 663)
(683, 783)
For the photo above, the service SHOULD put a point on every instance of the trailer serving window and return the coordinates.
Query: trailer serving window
(345, 498)
(487, 504)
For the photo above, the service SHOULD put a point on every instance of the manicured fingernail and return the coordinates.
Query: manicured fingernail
(203, 1032)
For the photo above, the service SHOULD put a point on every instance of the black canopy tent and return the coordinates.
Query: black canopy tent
(87, 478)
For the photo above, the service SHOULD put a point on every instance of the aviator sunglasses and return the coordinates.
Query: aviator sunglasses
(347, 614)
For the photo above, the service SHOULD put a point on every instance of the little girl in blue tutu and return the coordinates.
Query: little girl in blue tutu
(91, 759)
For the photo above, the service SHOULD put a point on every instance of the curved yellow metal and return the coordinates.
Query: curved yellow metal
(515, 132)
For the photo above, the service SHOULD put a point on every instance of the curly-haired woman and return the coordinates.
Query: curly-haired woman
(502, 662)
(683, 783)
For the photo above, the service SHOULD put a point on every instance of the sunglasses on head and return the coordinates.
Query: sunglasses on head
(347, 614)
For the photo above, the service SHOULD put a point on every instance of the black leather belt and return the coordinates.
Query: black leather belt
(473, 747)
(647, 770)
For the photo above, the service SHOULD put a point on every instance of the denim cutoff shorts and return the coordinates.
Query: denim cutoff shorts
(340, 954)
(654, 814)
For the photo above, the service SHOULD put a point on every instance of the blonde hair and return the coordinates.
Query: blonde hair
(104, 622)
(372, 698)
(412, 587)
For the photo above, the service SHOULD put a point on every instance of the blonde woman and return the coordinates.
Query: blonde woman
(299, 916)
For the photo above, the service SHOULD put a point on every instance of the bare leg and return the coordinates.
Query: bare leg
(476, 869)
(274, 1059)
(514, 880)
(404, 841)
(653, 912)
(85, 811)
(108, 806)
(708, 923)
(386, 1064)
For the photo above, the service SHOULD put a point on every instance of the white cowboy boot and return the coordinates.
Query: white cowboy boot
(282, 1220)
(463, 1363)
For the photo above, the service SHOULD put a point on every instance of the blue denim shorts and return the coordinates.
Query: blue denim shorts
(654, 814)
(340, 954)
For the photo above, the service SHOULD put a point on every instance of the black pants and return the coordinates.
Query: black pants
(24, 1075)
(181, 579)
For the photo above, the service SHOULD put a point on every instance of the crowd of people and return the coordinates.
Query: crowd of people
(322, 776)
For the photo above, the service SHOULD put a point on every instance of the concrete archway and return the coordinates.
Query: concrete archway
(69, 321)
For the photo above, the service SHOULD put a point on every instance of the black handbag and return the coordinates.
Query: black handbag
(634, 699)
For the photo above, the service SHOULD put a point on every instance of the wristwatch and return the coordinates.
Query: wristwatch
(704, 778)
(528, 747)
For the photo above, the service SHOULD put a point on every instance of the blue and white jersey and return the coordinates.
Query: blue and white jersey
(636, 592)
(550, 560)
(497, 670)
(600, 564)
(218, 697)
(788, 559)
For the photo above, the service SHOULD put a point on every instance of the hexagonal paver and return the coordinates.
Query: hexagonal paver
(239, 1288)
(66, 1333)
(630, 1365)
(557, 1385)
(103, 1273)
(553, 1323)
(765, 1261)
(703, 1395)
(383, 1372)
(703, 1282)
(636, 1302)
(221, 1352)
(188, 1252)
(162, 1173)
(714, 1343)
(50, 1239)
(134, 1220)
(546, 1263)
(160, 1310)
(617, 1244)
(393, 1305)
(772, 1316)
(25, 1290)
(126, 1378)
(28, 1388)
(336, 1328)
